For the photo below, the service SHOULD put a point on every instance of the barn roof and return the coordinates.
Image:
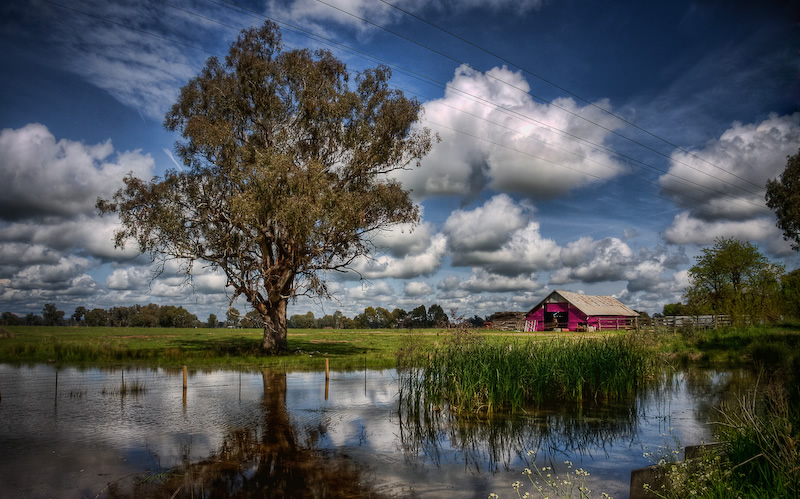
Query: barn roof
(591, 305)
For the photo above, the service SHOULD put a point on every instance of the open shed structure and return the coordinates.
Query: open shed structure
(568, 311)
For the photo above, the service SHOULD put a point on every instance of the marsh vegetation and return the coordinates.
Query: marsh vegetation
(482, 375)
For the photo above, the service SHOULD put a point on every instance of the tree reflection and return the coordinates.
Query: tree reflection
(265, 461)
(712, 389)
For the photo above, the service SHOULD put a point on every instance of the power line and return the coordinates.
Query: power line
(488, 102)
(132, 28)
(570, 136)
(559, 87)
(541, 99)
(420, 76)
(583, 172)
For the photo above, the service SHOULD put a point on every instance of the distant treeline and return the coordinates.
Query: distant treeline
(380, 318)
(153, 315)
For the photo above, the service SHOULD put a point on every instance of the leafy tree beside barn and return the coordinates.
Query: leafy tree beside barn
(783, 197)
(734, 278)
(286, 173)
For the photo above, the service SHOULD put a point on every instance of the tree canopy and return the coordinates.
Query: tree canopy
(286, 176)
(734, 278)
(783, 197)
(790, 291)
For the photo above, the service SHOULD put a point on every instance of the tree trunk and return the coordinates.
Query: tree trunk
(275, 328)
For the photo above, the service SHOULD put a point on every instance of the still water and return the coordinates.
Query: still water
(71, 432)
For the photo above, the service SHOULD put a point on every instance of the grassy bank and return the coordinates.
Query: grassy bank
(755, 346)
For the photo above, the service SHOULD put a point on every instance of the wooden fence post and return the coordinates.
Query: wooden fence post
(185, 383)
(327, 377)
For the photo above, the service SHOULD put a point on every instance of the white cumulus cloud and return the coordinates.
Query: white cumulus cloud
(417, 288)
(725, 180)
(500, 237)
(495, 134)
(44, 176)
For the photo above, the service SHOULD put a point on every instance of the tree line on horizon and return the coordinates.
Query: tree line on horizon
(153, 315)
(150, 315)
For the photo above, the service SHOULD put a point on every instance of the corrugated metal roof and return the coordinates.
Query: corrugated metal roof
(594, 305)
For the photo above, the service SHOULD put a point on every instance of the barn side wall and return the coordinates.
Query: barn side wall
(536, 316)
(575, 317)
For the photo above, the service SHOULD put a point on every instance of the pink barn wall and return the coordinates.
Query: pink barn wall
(574, 317)
(537, 317)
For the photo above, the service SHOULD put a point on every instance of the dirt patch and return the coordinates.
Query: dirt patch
(331, 341)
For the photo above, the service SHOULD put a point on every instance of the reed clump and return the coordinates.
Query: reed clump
(134, 387)
(483, 376)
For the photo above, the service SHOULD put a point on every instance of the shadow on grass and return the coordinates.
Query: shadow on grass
(251, 347)
(791, 326)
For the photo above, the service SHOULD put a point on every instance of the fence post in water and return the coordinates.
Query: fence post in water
(327, 377)
(185, 382)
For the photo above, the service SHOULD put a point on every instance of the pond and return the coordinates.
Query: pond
(73, 432)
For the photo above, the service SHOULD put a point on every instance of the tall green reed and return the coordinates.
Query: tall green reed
(483, 376)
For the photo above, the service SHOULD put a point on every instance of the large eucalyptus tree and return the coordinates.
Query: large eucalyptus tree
(287, 173)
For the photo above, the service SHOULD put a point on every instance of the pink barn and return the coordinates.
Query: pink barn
(568, 311)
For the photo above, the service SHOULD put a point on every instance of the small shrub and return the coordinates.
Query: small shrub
(758, 455)
(547, 483)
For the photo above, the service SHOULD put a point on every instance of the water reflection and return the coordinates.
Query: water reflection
(262, 461)
(245, 434)
(492, 444)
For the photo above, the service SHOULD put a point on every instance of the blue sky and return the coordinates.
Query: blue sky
(588, 146)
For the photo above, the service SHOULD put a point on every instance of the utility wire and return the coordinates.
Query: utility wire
(423, 77)
(132, 28)
(597, 146)
(420, 76)
(561, 165)
(559, 87)
(543, 100)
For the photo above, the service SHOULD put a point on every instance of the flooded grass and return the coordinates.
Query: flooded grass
(134, 388)
(77, 394)
(756, 454)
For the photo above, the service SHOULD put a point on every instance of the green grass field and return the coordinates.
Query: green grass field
(231, 348)
(346, 349)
